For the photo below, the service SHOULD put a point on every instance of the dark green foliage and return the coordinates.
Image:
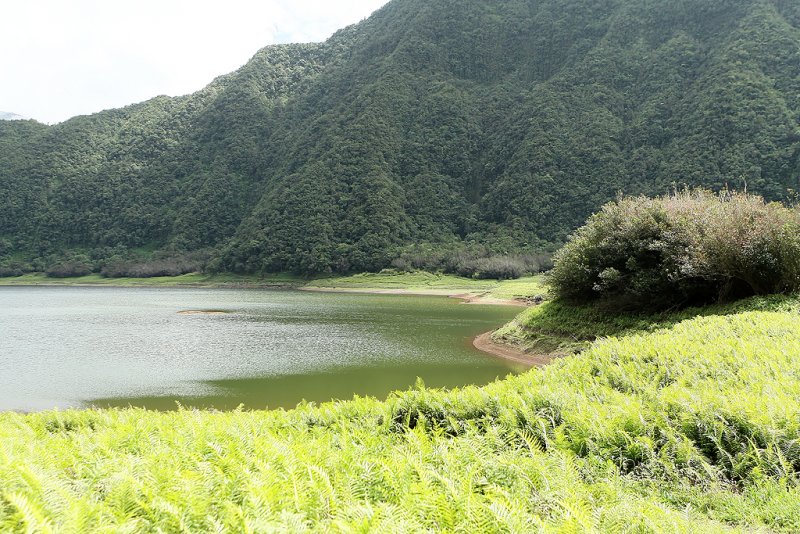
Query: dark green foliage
(443, 122)
(471, 260)
(680, 249)
(497, 268)
(163, 264)
(9, 270)
(69, 269)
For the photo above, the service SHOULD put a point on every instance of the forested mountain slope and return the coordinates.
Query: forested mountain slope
(440, 121)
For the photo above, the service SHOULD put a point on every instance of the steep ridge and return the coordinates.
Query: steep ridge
(444, 121)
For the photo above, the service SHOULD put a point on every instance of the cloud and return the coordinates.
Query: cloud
(67, 58)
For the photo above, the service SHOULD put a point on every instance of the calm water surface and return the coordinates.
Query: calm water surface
(76, 346)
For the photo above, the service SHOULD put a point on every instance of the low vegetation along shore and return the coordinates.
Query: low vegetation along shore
(185, 280)
(521, 291)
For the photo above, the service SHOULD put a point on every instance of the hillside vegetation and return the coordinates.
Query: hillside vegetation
(693, 428)
(457, 123)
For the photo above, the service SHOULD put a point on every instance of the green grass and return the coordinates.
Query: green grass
(526, 287)
(190, 280)
(556, 326)
(693, 427)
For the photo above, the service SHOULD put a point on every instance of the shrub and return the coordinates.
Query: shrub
(471, 262)
(499, 268)
(68, 269)
(173, 266)
(14, 268)
(681, 249)
(8, 270)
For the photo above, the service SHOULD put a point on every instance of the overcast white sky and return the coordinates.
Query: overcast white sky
(61, 58)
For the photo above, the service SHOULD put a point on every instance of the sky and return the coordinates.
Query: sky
(62, 58)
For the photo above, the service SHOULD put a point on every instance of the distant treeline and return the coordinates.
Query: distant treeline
(472, 262)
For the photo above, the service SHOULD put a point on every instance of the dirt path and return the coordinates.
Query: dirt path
(481, 298)
(485, 344)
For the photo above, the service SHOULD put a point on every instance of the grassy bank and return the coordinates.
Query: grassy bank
(401, 282)
(565, 329)
(424, 282)
(186, 280)
(689, 428)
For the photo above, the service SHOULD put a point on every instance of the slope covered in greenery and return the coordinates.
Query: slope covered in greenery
(445, 121)
(693, 428)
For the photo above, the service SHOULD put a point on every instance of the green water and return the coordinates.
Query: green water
(77, 347)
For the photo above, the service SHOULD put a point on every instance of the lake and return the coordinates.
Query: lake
(82, 346)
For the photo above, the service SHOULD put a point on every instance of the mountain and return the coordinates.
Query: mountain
(7, 116)
(445, 122)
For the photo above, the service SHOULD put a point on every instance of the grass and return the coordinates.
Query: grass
(403, 280)
(693, 426)
(526, 287)
(187, 280)
(564, 328)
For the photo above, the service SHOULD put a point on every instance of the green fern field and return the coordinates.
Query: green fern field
(694, 427)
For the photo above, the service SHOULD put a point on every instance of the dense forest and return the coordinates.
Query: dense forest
(433, 125)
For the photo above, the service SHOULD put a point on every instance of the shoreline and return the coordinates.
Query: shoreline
(484, 343)
(524, 291)
(189, 280)
(465, 297)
